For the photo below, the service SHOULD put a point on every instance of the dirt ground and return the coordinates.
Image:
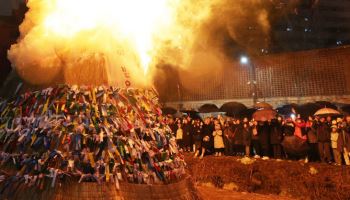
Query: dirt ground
(229, 178)
(209, 193)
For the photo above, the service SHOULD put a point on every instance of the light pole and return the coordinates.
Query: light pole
(244, 60)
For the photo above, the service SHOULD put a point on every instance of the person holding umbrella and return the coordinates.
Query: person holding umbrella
(323, 140)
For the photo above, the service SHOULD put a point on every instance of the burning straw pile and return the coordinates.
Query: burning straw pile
(99, 134)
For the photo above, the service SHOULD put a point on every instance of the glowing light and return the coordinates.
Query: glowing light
(293, 116)
(133, 20)
(244, 60)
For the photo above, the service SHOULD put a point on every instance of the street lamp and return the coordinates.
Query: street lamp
(244, 60)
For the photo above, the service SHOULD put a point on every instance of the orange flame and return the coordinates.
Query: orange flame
(55, 30)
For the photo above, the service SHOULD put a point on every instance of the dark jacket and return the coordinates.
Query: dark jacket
(238, 134)
(228, 133)
(187, 134)
(263, 132)
(247, 137)
(311, 132)
(344, 136)
(323, 133)
(288, 129)
(276, 133)
(207, 130)
(197, 133)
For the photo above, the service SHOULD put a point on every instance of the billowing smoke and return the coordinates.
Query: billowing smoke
(89, 41)
(110, 41)
(212, 34)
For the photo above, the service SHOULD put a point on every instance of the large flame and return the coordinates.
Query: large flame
(106, 29)
(117, 41)
(133, 20)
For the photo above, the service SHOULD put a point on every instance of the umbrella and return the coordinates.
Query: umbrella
(264, 115)
(208, 108)
(192, 113)
(232, 108)
(288, 109)
(346, 109)
(262, 105)
(326, 104)
(327, 112)
(247, 113)
(308, 109)
(168, 111)
(177, 114)
(294, 145)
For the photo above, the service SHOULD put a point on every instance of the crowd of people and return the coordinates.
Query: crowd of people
(101, 134)
(318, 139)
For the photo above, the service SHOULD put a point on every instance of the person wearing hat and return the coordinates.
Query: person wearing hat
(336, 144)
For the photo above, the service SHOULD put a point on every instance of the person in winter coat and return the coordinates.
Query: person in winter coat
(336, 145)
(255, 139)
(238, 138)
(172, 125)
(228, 139)
(288, 128)
(345, 138)
(218, 140)
(207, 130)
(312, 139)
(299, 126)
(276, 136)
(197, 137)
(187, 136)
(323, 139)
(179, 134)
(246, 138)
(264, 137)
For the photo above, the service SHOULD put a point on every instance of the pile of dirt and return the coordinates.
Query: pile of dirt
(284, 178)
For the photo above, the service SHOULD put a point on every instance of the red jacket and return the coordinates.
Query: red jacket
(298, 132)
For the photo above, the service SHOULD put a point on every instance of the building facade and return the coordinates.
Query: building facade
(297, 77)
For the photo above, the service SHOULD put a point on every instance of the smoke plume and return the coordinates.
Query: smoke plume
(113, 41)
